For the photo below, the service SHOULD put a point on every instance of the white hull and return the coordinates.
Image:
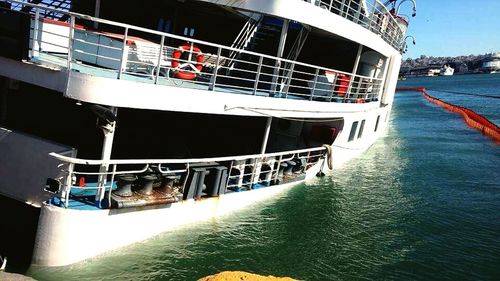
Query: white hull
(61, 231)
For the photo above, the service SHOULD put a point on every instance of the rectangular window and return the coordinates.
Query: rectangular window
(376, 123)
(353, 130)
(361, 129)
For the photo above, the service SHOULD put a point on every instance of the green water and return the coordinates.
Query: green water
(422, 204)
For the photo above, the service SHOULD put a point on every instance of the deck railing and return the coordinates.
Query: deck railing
(372, 15)
(150, 56)
(245, 172)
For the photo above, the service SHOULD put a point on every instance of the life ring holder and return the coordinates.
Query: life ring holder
(180, 68)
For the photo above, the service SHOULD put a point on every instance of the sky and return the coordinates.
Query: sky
(453, 27)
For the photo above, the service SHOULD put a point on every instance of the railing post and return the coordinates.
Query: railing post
(35, 47)
(358, 16)
(374, 16)
(342, 6)
(333, 87)
(348, 9)
(256, 171)
(289, 77)
(67, 185)
(349, 89)
(123, 59)
(278, 167)
(217, 62)
(157, 74)
(111, 185)
(70, 41)
(256, 84)
(190, 55)
(314, 83)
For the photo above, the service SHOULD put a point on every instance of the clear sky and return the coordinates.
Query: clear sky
(453, 27)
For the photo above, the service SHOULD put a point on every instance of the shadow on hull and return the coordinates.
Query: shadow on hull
(17, 238)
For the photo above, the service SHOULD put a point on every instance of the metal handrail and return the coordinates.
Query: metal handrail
(284, 76)
(92, 162)
(369, 20)
(71, 173)
(244, 37)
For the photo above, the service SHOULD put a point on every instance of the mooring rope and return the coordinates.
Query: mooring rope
(328, 158)
(321, 120)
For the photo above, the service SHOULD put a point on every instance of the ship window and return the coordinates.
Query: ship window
(188, 31)
(164, 25)
(361, 129)
(376, 123)
(353, 130)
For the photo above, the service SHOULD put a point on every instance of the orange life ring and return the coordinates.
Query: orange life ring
(187, 74)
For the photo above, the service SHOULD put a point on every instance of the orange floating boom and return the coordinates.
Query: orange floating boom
(472, 119)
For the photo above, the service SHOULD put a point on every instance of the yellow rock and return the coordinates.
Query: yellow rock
(242, 276)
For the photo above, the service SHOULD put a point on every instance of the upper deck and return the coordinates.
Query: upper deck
(362, 21)
(184, 74)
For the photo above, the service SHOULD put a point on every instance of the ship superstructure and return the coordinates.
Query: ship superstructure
(492, 63)
(171, 112)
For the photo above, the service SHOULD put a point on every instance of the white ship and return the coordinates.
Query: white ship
(492, 63)
(446, 70)
(123, 121)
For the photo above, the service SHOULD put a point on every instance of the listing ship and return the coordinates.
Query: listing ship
(123, 121)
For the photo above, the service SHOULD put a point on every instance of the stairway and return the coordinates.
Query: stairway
(261, 34)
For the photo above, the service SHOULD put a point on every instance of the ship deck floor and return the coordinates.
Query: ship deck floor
(60, 61)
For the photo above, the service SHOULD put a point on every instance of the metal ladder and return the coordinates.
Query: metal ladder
(242, 41)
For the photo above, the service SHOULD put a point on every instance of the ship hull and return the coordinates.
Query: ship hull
(67, 236)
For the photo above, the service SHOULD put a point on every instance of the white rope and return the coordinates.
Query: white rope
(329, 157)
(288, 118)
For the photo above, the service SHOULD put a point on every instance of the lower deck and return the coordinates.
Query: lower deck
(245, 152)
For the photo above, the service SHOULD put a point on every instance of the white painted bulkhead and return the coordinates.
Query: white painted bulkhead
(123, 93)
